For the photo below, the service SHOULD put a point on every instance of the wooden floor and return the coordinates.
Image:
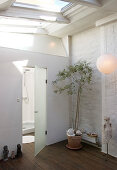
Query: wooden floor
(58, 157)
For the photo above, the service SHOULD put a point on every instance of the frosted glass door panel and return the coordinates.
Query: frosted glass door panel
(40, 109)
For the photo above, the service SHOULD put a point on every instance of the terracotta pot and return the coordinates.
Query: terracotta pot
(74, 142)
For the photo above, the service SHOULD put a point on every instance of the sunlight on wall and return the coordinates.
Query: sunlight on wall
(36, 43)
(52, 44)
(18, 41)
(20, 64)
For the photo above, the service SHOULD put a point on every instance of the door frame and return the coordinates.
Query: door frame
(24, 67)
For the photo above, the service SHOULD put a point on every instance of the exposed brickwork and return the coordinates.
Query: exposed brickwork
(86, 46)
(109, 84)
(102, 100)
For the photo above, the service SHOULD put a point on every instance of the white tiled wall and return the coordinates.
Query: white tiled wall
(102, 100)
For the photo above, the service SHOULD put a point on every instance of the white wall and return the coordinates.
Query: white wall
(10, 89)
(109, 84)
(102, 100)
(36, 43)
(10, 118)
(86, 46)
(28, 95)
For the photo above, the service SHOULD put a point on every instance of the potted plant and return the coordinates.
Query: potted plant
(72, 80)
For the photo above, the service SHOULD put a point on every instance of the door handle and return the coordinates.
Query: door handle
(35, 111)
(18, 99)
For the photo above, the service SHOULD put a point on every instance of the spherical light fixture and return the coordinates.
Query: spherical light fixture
(107, 63)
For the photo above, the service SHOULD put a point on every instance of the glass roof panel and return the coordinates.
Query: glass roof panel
(49, 5)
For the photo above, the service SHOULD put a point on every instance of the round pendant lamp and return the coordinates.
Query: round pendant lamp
(107, 63)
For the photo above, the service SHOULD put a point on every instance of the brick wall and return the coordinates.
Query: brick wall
(101, 101)
(109, 85)
(86, 46)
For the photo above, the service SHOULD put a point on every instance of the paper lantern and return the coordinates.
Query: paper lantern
(107, 63)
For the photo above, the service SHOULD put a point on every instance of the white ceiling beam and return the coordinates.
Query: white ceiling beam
(106, 20)
(93, 3)
(5, 4)
(19, 12)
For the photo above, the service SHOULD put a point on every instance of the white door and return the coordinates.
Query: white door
(40, 109)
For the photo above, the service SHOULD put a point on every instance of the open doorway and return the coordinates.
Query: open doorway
(28, 125)
(34, 128)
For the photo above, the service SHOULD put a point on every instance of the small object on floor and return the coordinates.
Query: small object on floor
(92, 134)
(5, 153)
(107, 133)
(19, 151)
(13, 155)
(74, 142)
(106, 159)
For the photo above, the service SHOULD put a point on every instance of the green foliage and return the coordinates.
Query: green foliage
(74, 78)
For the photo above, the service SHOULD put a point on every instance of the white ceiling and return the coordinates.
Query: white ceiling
(78, 17)
(82, 17)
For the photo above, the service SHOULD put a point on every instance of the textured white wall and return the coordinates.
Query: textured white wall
(86, 46)
(109, 85)
(11, 88)
(102, 100)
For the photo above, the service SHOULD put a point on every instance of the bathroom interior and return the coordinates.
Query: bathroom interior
(28, 125)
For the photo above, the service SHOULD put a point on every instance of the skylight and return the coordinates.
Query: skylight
(49, 5)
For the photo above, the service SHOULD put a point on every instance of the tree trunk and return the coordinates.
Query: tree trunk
(77, 112)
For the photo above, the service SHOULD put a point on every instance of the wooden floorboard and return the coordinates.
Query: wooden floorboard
(58, 157)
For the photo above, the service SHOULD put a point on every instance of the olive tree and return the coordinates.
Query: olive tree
(72, 80)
